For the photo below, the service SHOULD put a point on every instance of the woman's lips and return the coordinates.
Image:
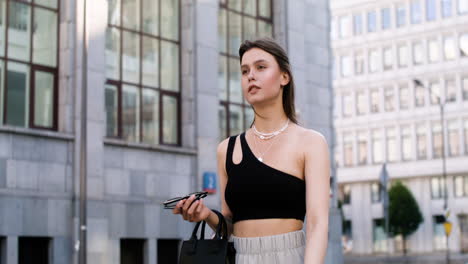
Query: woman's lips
(253, 89)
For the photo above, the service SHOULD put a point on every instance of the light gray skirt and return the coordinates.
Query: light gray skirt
(287, 248)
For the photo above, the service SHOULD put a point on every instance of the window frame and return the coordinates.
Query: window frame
(162, 92)
(33, 67)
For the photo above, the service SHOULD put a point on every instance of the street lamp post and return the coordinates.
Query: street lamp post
(444, 168)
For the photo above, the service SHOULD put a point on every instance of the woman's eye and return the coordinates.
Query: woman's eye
(244, 72)
(261, 67)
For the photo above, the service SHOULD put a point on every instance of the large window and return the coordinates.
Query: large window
(450, 91)
(453, 138)
(346, 193)
(29, 63)
(439, 232)
(375, 100)
(391, 145)
(461, 186)
(357, 22)
(421, 141)
(387, 58)
(345, 26)
(359, 63)
(347, 105)
(361, 102)
(142, 97)
(419, 96)
(464, 83)
(386, 19)
(463, 44)
(362, 147)
(430, 10)
(462, 6)
(389, 95)
(377, 146)
(346, 66)
(437, 140)
(348, 150)
(434, 92)
(406, 143)
(371, 21)
(465, 134)
(376, 196)
(418, 53)
(373, 60)
(403, 55)
(400, 15)
(446, 8)
(434, 50)
(404, 97)
(437, 187)
(449, 48)
(237, 21)
(416, 12)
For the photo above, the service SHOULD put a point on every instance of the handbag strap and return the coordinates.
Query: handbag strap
(221, 229)
(195, 230)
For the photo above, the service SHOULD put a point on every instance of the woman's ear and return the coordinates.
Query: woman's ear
(284, 79)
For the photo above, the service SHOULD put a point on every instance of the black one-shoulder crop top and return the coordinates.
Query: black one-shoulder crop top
(255, 190)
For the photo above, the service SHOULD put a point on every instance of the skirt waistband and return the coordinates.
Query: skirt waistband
(274, 243)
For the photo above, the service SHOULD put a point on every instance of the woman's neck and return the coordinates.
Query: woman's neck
(270, 119)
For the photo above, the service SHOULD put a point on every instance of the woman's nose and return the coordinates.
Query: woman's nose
(251, 76)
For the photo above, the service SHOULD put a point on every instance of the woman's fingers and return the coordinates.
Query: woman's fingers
(192, 211)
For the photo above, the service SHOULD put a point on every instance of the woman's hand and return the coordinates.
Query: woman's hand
(192, 211)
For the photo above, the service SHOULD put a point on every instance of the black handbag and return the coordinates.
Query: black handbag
(213, 251)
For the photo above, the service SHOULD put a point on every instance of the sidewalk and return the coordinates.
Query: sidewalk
(412, 259)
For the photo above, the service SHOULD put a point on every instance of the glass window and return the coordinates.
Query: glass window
(437, 140)
(453, 137)
(386, 19)
(461, 186)
(347, 235)
(347, 105)
(239, 21)
(419, 100)
(437, 187)
(464, 83)
(373, 60)
(406, 143)
(446, 8)
(463, 43)
(346, 191)
(348, 150)
(375, 100)
(465, 129)
(141, 97)
(29, 93)
(462, 6)
(434, 92)
(376, 196)
(362, 147)
(403, 55)
(418, 53)
(421, 141)
(416, 12)
(451, 92)
(434, 50)
(371, 21)
(400, 15)
(379, 236)
(361, 102)
(345, 23)
(391, 145)
(387, 58)
(430, 10)
(334, 28)
(377, 146)
(359, 63)
(449, 48)
(346, 66)
(404, 97)
(357, 19)
(389, 95)
(439, 232)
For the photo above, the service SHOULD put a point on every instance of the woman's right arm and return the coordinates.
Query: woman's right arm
(197, 211)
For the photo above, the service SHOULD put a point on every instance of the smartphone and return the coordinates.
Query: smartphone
(171, 203)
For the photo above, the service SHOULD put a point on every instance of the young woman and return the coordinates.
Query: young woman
(274, 175)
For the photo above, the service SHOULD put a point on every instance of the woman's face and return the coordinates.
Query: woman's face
(261, 77)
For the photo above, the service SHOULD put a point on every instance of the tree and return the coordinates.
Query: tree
(405, 216)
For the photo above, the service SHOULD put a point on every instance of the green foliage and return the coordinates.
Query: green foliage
(405, 216)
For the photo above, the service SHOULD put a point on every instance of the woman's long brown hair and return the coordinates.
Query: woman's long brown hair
(269, 45)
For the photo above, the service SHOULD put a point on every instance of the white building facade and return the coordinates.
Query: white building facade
(395, 62)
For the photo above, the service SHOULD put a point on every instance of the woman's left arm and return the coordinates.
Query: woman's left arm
(317, 177)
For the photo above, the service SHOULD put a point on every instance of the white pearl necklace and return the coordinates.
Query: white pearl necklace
(266, 136)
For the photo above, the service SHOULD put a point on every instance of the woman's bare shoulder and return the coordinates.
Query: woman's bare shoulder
(310, 137)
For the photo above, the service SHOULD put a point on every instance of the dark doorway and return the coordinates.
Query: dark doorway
(131, 251)
(168, 251)
(33, 250)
